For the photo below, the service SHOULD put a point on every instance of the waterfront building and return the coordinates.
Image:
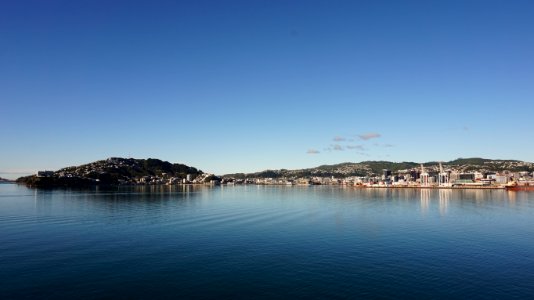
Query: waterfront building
(453, 176)
(386, 174)
(467, 176)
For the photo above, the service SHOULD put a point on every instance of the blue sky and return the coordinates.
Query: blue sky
(241, 86)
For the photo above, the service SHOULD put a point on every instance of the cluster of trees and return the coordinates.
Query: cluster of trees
(55, 181)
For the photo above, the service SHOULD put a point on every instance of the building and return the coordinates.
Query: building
(386, 174)
(189, 177)
(467, 176)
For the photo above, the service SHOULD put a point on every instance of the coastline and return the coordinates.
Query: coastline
(501, 187)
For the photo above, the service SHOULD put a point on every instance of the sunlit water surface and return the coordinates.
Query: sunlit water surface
(265, 242)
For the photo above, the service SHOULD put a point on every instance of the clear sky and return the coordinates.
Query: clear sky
(241, 86)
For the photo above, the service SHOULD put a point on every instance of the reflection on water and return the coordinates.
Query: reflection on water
(425, 200)
(444, 196)
(44, 199)
(265, 242)
(116, 200)
(511, 196)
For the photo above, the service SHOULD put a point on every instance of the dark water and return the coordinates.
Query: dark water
(265, 242)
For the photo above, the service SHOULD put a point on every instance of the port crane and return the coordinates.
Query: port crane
(443, 177)
(424, 176)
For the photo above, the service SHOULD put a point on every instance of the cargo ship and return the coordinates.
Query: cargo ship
(523, 186)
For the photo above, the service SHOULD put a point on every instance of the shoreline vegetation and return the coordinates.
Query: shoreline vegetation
(470, 173)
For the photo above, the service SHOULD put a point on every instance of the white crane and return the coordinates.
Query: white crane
(443, 177)
(423, 176)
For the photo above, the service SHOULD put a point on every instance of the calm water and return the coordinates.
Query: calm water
(265, 242)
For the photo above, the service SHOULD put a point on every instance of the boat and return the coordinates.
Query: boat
(514, 186)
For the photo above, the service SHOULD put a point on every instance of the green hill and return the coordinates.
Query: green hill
(373, 168)
(111, 171)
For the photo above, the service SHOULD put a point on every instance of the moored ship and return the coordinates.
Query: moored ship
(522, 186)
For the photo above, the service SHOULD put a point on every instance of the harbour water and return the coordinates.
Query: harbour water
(265, 242)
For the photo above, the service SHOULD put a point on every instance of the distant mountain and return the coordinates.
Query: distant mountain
(373, 168)
(3, 180)
(111, 171)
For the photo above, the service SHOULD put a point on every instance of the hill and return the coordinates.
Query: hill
(112, 171)
(373, 168)
(3, 180)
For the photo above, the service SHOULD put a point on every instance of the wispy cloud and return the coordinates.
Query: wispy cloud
(358, 147)
(370, 135)
(384, 145)
(349, 143)
(337, 147)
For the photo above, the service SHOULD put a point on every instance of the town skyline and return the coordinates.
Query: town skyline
(461, 173)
